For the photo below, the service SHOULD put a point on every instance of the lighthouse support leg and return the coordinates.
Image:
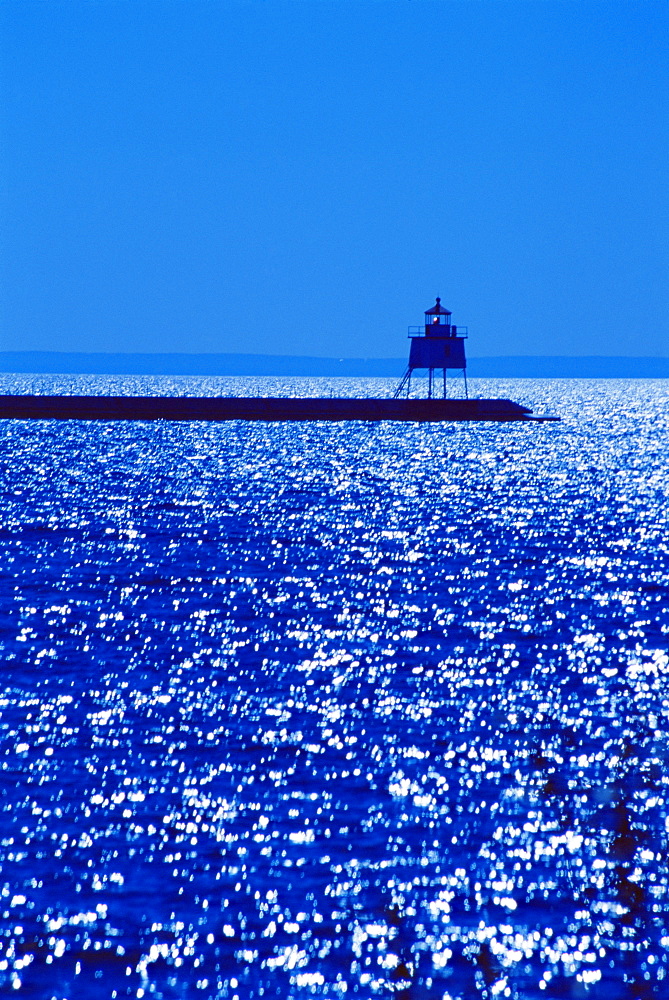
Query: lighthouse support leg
(464, 375)
(406, 381)
(444, 370)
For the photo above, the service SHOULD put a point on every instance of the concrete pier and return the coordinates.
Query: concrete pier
(276, 408)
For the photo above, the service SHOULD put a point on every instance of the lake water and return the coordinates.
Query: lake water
(336, 710)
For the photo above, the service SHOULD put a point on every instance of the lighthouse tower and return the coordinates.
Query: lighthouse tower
(437, 346)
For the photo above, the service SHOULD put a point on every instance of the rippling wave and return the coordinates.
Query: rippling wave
(335, 710)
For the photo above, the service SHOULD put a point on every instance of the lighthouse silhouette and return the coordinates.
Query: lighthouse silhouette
(436, 346)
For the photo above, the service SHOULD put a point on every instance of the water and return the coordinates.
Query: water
(336, 710)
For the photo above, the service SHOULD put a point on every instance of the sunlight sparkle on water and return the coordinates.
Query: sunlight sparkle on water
(337, 710)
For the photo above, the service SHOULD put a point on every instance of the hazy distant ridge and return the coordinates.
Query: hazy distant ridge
(55, 362)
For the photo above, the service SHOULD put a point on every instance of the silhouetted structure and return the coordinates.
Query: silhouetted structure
(268, 408)
(438, 345)
(435, 346)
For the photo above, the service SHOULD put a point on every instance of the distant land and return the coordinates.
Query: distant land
(65, 363)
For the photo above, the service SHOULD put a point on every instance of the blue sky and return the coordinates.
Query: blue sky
(305, 177)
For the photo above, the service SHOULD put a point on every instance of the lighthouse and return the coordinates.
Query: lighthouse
(435, 346)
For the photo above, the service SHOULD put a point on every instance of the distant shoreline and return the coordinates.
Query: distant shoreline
(70, 363)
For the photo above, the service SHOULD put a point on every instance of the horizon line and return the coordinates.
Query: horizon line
(281, 365)
(316, 357)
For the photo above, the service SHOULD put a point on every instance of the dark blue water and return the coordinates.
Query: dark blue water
(336, 710)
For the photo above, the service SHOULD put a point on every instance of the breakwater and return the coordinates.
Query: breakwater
(27, 407)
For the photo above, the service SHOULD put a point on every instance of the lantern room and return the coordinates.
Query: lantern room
(438, 321)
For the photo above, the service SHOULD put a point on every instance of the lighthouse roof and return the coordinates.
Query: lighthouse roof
(438, 310)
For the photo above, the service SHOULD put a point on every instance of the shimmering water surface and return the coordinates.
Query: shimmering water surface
(334, 710)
